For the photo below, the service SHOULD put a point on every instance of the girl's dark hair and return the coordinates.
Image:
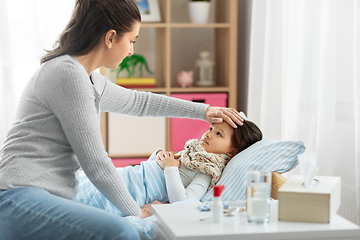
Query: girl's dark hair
(246, 135)
(90, 20)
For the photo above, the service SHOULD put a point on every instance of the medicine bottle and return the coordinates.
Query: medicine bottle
(217, 207)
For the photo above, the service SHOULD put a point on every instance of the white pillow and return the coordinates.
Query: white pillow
(266, 155)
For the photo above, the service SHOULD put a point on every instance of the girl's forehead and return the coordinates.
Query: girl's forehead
(223, 126)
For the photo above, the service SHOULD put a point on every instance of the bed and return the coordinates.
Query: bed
(270, 155)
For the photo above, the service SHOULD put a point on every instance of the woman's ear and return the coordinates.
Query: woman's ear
(110, 38)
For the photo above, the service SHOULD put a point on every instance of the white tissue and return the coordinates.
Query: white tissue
(307, 162)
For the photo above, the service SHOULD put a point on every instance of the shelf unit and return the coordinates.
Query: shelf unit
(175, 40)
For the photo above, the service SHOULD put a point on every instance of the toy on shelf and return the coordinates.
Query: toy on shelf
(129, 64)
(184, 79)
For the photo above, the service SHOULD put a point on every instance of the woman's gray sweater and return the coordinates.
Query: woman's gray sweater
(57, 130)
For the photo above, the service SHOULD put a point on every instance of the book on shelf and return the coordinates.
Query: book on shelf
(138, 85)
(135, 81)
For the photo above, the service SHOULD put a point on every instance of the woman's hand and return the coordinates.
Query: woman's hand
(146, 209)
(220, 114)
(167, 159)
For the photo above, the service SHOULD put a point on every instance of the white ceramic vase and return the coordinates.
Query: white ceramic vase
(199, 12)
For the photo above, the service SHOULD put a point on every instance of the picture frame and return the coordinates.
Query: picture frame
(149, 10)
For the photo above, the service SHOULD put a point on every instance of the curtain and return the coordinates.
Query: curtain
(304, 84)
(27, 28)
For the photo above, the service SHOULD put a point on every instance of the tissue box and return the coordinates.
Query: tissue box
(316, 205)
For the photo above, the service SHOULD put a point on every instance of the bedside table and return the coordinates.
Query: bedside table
(182, 221)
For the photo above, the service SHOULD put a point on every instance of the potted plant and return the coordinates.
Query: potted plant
(129, 65)
(199, 11)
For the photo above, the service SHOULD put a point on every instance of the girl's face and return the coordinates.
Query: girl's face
(218, 139)
(123, 46)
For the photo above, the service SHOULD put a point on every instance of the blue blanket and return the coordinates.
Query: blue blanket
(145, 183)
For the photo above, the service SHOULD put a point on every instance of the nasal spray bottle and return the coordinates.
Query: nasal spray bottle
(217, 207)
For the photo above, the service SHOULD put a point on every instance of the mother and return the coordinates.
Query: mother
(56, 130)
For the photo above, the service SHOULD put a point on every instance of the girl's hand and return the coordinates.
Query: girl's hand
(167, 159)
(220, 114)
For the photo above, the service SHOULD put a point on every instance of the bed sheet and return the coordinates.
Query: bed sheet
(145, 183)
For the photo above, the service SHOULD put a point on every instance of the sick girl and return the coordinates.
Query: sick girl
(170, 177)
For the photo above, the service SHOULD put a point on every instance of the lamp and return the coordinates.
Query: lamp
(205, 67)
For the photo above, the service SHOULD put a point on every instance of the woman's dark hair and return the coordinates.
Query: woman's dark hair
(246, 135)
(90, 20)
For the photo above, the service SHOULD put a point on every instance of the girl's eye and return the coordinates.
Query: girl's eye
(210, 129)
(219, 134)
(132, 42)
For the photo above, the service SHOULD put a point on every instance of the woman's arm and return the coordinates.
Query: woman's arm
(146, 209)
(125, 101)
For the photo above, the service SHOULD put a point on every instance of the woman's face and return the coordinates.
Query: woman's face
(218, 139)
(123, 47)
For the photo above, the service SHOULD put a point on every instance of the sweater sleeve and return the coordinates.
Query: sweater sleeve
(125, 101)
(175, 188)
(69, 94)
